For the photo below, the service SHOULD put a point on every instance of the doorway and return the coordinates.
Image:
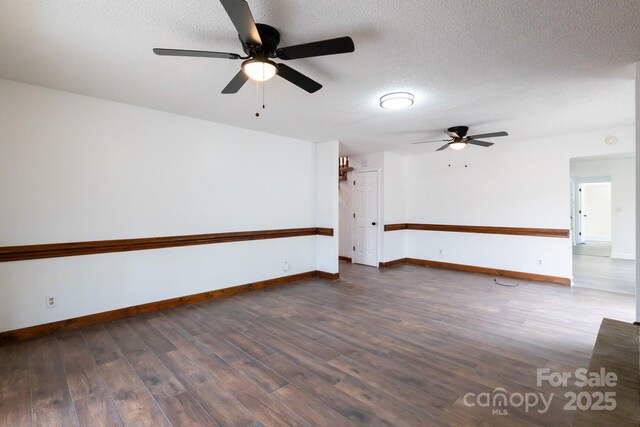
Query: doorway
(365, 196)
(593, 225)
(603, 211)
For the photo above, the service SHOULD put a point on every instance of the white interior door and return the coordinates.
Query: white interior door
(366, 218)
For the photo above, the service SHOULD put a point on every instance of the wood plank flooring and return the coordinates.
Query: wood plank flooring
(604, 273)
(593, 248)
(400, 347)
(617, 350)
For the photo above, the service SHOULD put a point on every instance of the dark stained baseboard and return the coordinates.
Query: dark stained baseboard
(121, 313)
(509, 231)
(345, 259)
(483, 270)
(55, 250)
(328, 276)
(492, 271)
(392, 263)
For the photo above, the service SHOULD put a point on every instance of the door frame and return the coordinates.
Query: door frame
(576, 219)
(379, 235)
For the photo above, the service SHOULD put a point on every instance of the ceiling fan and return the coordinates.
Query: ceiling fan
(260, 44)
(459, 138)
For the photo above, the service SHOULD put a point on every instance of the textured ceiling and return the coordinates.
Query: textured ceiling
(531, 67)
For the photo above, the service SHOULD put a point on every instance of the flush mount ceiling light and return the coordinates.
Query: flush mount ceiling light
(259, 69)
(396, 101)
(457, 145)
(611, 140)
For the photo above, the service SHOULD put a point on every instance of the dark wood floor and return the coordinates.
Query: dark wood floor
(392, 347)
(617, 349)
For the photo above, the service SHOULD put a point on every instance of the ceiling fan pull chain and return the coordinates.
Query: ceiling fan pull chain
(257, 98)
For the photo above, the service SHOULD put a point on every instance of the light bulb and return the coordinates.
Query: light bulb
(458, 145)
(259, 70)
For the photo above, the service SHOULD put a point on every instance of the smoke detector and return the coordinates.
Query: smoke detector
(611, 140)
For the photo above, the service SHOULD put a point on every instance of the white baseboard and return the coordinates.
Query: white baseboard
(622, 255)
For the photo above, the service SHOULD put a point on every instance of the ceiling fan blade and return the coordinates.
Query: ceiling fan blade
(452, 134)
(435, 140)
(321, 48)
(480, 143)
(195, 53)
(240, 14)
(298, 79)
(236, 83)
(445, 146)
(488, 135)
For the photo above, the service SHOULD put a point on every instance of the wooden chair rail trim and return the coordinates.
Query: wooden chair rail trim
(476, 269)
(121, 313)
(510, 231)
(325, 231)
(55, 250)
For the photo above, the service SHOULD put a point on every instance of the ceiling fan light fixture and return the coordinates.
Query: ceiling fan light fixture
(458, 145)
(396, 100)
(259, 69)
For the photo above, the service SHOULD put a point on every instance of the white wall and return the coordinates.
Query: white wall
(74, 168)
(395, 199)
(623, 198)
(326, 207)
(517, 184)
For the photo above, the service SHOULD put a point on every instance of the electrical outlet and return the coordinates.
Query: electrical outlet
(440, 251)
(51, 302)
(285, 267)
(539, 261)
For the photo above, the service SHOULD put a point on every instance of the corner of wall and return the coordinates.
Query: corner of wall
(327, 205)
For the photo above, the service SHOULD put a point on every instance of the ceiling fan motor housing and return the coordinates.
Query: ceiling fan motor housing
(461, 131)
(270, 40)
